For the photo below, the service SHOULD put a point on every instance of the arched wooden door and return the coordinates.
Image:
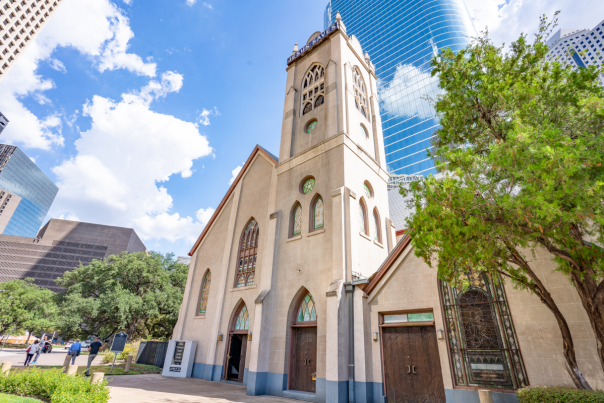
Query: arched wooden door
(303, 346)
(236, 349)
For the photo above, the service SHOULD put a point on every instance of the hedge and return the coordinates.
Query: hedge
(542, 394)
(54, 385)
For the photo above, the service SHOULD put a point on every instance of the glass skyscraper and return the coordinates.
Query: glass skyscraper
(402, 36)
(34, 191)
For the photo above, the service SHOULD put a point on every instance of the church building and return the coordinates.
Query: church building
(300, 287)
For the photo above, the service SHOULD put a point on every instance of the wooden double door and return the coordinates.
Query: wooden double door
(412, 372)
(235, 360)
(303, 359)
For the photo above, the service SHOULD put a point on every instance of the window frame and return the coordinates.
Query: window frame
(363, 207)
(292, 218)
(311, 88)
(378, 225)
(246, 253)
(313, 205)
(198, 314)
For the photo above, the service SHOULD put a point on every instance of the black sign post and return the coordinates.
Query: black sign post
(118, 346)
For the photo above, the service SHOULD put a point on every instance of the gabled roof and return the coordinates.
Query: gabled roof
(374, 280)
(247, 164)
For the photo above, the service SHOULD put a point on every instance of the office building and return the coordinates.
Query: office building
(26, 193)
(579, 47)
(402, 36)
(60, 246)
(20, 23)
(3, 122)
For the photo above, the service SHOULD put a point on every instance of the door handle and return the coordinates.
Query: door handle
(408, 369)
(309, 361)
(305, 361)
(414, 370)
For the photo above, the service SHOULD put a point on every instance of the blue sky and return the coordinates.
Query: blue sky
(141, 110)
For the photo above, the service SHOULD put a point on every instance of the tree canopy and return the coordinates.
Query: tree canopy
(26, 306)
(520, 153)
(139, 293)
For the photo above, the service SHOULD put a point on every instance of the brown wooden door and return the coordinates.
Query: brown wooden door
(412, 372)
(242, 357)
(304, 359)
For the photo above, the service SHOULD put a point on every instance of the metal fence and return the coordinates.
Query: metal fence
(152, 353)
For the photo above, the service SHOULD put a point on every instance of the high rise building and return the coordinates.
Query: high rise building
(59, 247)
(3, 122)
(26, 193)
(20, 22)
(402, 36)
(579, 47)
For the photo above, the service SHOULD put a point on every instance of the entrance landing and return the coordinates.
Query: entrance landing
(158, 389)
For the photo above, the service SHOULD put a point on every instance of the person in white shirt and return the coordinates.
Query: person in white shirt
(31, 351)
(40, 346)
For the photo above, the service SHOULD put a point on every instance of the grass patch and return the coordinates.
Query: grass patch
(4, 398)
(135, 369)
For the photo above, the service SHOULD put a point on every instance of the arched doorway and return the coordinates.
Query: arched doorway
(234, 363)
(303, 345)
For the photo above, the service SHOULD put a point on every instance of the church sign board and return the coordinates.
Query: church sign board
(312, 43)
(179, 358)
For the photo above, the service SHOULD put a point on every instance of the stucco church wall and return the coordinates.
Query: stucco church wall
(254, 202)
(209, 256)
(539, 334)
(305, 261)
(369, 254)
(411, 284)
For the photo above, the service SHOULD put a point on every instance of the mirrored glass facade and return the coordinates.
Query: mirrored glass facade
(402, 36)
(21, 176)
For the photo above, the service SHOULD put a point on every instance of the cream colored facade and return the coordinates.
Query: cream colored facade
(20, 22)
(354, 276)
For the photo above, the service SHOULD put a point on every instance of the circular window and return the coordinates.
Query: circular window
(307, 185)
(364, 132)
(311, 126)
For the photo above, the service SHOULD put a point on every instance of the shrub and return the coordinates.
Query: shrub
(131, 348)
(53, 385)
(542, 394)
(108, 358)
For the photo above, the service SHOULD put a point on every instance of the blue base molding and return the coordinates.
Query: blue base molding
(471, 396)
(207, 372)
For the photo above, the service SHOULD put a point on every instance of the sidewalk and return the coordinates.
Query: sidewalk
(56, 357)
(157, 389)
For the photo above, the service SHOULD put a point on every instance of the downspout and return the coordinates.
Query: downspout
(350, 297)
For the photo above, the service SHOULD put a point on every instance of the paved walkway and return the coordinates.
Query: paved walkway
(56, 357)
(158, 389)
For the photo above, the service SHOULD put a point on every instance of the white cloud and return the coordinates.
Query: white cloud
(129, 149)
(204, 116)
(204, 215)
(407, 93)
(235, 172)
(57, 65)
(97, 29)
(507, 19)
(207, 5)
(191, 2)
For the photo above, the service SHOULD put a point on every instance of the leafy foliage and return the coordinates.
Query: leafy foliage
(53, 385)
(127, 291)
(26, 306)
(520, 150)
(544, 394)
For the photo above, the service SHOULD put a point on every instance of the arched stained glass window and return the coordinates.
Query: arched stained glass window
(367, 189)
(360, 93)
(313, 89)
(362, 218)
(297, 221)
(248, 251)
(481, 335)
(318, 213)
(376, 226)
(364, 132)
(307, 312)
(205, 292)
(243, 320)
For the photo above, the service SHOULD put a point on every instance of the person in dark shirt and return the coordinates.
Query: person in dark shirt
(93, 349)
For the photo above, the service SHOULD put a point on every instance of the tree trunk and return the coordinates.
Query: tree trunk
(568, 347)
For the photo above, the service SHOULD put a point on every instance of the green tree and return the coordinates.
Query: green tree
(520, 150)
(122, 292)
(26, 306)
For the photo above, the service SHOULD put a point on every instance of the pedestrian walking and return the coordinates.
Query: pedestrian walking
(93, 351)
(75, 350)
(31, 351)
(40, 347)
